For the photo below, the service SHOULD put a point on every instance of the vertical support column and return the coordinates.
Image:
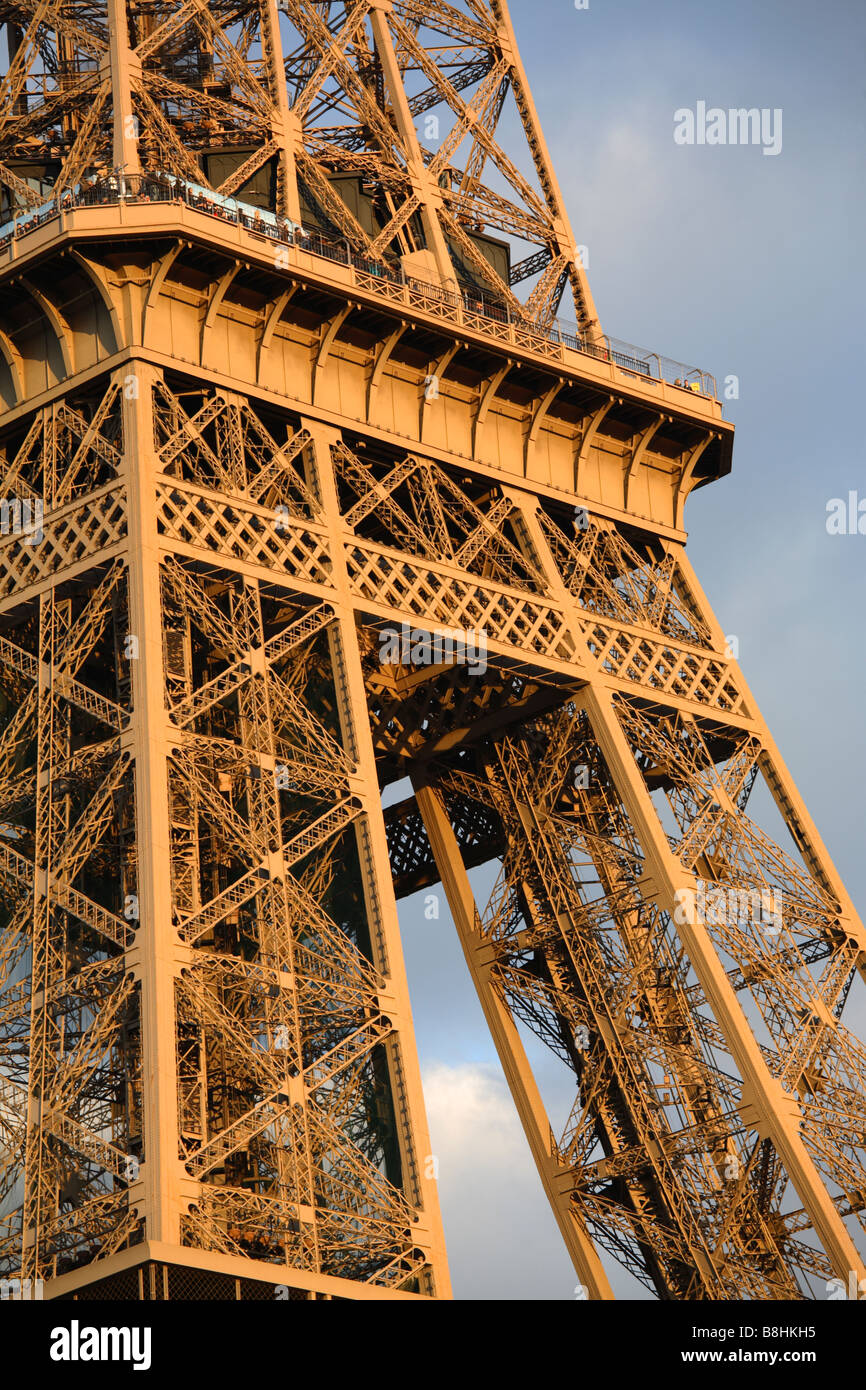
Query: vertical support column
(778, 1112)
(405, 1072)
(556, 1180)
(782, 786)
(125, 146)
(566, 246)
(285, 126)
(48, 954)
(422, 184)
(156, 941)
(294, 1157)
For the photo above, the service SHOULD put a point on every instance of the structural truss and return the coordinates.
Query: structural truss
(282, 385)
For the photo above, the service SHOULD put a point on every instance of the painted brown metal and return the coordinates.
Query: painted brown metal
(245, 451)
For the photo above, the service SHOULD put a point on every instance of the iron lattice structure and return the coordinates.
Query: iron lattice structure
(267, 392)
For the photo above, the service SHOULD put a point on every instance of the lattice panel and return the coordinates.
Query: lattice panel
(211, 523)
(84, 532)
(660, 667)
(420, 591)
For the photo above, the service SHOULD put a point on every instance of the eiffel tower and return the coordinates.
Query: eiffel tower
(309, 491)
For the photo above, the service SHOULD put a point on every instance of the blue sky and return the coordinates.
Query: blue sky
(742, 264)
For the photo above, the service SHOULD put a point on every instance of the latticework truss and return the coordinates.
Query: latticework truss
(376, 122)
(281, 528)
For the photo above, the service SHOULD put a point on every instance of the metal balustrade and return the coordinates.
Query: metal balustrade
(465, 304)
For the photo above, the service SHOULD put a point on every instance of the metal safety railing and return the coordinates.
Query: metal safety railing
(465, 304)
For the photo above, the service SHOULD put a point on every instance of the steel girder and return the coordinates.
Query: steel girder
(206, 1049)
(306, 102)
(194, 868)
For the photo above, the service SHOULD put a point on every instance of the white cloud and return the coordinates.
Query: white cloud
(502, 1239)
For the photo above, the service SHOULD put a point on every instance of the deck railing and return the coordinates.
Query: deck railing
(466, 304)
